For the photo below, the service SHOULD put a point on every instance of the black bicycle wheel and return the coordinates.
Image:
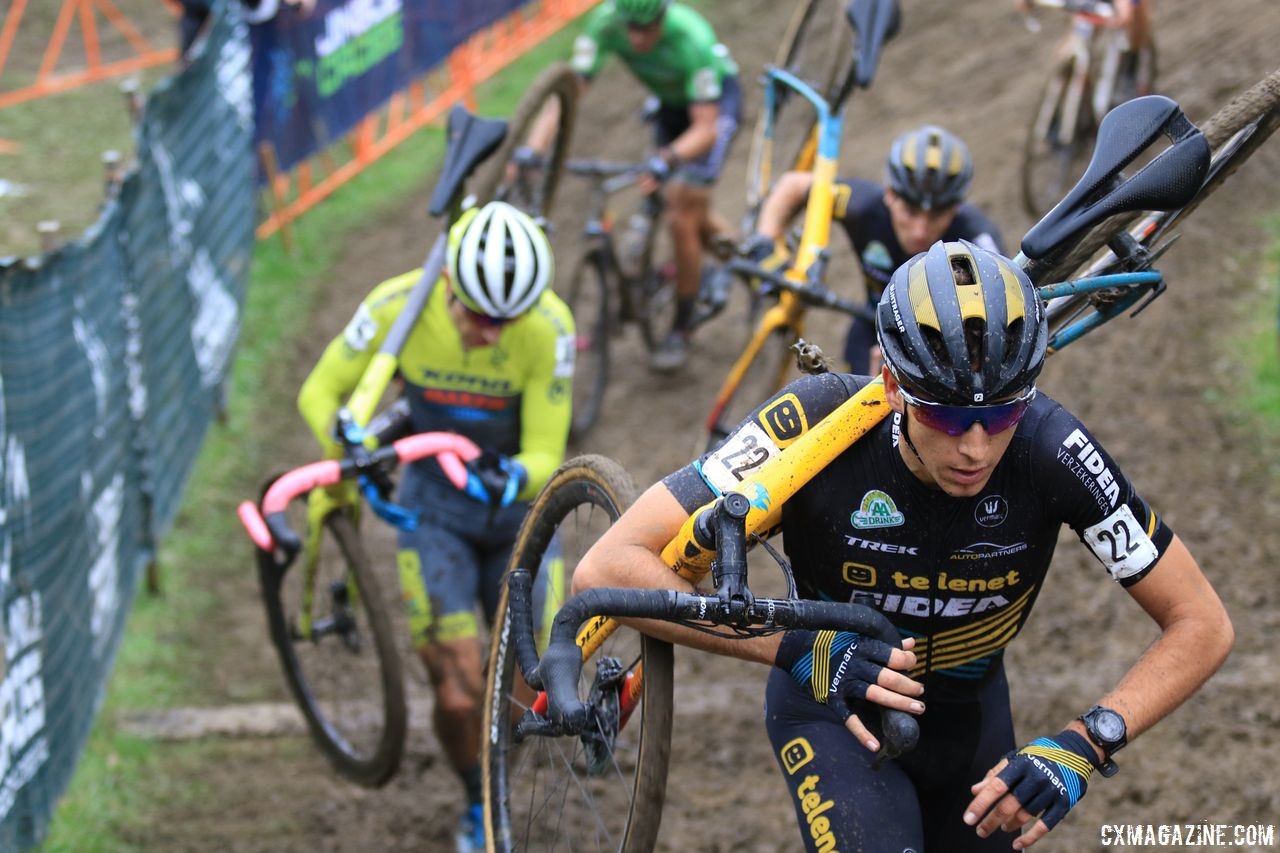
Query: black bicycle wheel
(588, 298)
(1052, 161)
(532, 187)
(575, 793)
(815, 49)
(764, 376)
(654, 296)
(331, 629)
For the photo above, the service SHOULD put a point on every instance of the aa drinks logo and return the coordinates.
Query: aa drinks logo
(877, 510)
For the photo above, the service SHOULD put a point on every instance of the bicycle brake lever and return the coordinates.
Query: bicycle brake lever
(389, 511)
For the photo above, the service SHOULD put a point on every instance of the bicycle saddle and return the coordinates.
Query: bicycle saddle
(876, 21)
(1168, 182)
(469, 140)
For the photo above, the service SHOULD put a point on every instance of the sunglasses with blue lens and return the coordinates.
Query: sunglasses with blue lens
(956, 420)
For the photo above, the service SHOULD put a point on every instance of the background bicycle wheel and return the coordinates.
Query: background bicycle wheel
(1214, 481)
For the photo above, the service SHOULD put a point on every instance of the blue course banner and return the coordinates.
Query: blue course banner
(316, 75)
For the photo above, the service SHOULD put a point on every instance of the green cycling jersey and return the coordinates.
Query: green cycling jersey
(513, 397)
(686, 66)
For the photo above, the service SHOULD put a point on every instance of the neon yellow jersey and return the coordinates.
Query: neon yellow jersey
(513, 397)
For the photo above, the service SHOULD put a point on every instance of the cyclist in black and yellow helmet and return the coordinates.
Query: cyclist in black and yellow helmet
(945, 516)
(927, 178)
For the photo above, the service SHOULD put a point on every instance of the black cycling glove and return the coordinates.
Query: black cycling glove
(1050, 775)
(836, 666)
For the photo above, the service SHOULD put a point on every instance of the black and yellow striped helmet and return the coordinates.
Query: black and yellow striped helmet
(961, 325)
(929, 167)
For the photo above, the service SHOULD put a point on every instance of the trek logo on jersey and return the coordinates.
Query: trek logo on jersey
(991, 511)
(877, 510)
(877, 255)
(1078, 454)
(882, 547)
(796, 754)
(784, 419)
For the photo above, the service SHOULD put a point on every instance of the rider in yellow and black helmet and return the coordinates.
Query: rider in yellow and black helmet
(962, 326)
(929, 167)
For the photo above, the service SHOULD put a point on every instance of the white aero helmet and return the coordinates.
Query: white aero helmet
(499, 260)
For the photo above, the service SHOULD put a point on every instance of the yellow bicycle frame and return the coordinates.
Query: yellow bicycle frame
(767, 489)
(788, 313)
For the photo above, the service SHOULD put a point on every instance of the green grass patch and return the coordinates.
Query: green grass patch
(1259, 343)
(121, 783)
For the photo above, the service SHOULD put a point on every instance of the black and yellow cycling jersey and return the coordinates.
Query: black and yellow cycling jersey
(513, 397)
(859, 208)
(959, 574)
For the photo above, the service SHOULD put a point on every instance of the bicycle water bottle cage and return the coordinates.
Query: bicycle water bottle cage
(876, 21)
(1168, 182)
(470, 140)
(392, 513)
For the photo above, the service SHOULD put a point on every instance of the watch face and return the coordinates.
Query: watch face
(1109, 725)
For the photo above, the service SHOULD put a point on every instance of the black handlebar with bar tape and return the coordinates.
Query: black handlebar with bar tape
(561, 664)
(813, 295)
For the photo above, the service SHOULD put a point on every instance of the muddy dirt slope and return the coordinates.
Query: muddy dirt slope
(1155, 390)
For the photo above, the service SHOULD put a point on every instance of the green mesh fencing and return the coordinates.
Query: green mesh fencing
(113, 351)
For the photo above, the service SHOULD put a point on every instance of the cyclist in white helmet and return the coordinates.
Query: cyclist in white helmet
(490, 358)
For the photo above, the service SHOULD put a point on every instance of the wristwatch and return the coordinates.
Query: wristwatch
(1107, 730)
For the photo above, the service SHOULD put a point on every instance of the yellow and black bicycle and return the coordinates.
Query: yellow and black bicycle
(762, 366)
(577, 730)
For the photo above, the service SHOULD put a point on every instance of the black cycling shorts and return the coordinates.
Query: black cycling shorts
(669, 122)
(914, 803)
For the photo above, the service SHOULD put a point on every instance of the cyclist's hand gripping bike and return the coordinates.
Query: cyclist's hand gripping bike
(584, 765)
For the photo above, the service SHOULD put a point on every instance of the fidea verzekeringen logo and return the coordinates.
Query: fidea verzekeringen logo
(876, 510)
